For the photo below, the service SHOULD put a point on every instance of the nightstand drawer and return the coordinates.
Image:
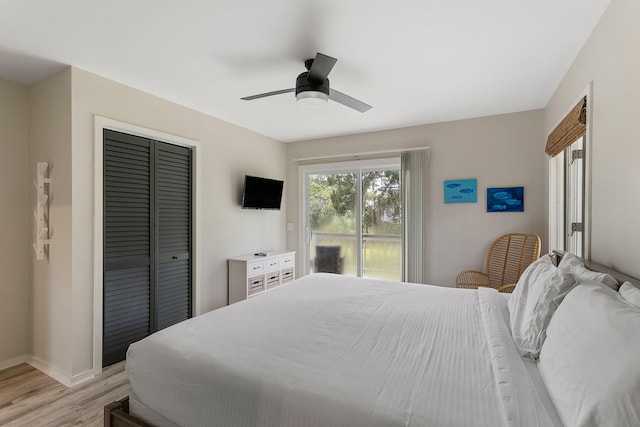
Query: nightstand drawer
(287, 275)
(273, 279)
(255, 285)
(272, 264)
(287, 261)
(255, 267)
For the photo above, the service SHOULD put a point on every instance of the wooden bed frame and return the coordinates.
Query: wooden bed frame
(594, 266)
(116, 414)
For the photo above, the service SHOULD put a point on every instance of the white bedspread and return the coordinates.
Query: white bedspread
(328, 350)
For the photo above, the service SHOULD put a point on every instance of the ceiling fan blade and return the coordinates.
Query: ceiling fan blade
(275, 92)
(348, 101)
(321, 67)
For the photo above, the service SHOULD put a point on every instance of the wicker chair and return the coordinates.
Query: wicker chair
(508, 257)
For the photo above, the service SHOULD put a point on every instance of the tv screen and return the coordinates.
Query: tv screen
(261, 193)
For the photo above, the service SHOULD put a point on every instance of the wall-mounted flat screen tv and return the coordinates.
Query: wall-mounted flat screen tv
(261, 193)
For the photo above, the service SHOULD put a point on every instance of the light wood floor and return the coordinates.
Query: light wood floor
(30, 398)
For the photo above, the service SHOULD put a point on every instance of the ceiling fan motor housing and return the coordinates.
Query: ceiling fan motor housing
(312, 86)
(303, 84)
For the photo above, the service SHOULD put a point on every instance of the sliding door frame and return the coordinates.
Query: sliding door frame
(100, 124)
(303, 193)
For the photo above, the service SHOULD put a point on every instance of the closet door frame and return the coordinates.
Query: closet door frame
(100, 124)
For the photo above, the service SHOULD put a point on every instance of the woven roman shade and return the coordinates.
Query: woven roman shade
(571, 128)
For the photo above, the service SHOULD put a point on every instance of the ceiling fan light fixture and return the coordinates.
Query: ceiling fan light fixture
(312, 98)
(312, 86)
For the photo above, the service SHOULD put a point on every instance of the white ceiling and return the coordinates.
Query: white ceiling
(415, 61)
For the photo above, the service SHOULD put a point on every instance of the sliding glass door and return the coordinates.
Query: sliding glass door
(381, 224)
(351, 219)
(332, 226)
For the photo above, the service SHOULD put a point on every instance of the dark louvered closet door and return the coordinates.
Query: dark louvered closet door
(147, 239)
(127, 243)
(173, 198)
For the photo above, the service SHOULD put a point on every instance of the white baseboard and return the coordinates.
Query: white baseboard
(4, 364)
(55, 373)
(82, 377)
(50, 370)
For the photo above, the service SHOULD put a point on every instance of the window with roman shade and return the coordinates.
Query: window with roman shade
(570, 129)
(567, 144)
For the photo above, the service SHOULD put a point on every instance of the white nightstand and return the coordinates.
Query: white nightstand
(251, 275)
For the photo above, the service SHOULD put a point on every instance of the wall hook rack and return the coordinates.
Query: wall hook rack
(41, 211)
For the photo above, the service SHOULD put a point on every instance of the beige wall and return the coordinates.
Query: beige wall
(50, 141)
(499, 151)
(15, 220)
(227, 154)
(50, 317)
(53, 121)
(611, 60)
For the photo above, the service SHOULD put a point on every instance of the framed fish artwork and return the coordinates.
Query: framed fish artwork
(460, 191)
(505, 199)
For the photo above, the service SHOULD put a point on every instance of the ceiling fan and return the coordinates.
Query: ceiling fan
(312, 86)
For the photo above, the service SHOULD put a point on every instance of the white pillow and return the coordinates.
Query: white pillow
(573, 265)
(534, 300)
(589, 361)
(630, 293)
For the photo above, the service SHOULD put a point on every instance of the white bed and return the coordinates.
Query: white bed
(329, 350)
